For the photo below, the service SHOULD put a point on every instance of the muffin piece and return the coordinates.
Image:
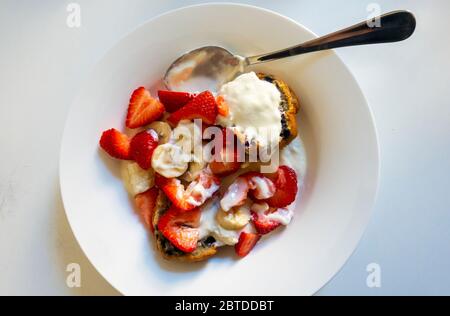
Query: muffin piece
(289, 108)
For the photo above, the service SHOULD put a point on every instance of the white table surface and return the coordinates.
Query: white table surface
(43, 63)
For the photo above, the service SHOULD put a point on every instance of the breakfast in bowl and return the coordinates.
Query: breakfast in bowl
(208, 170)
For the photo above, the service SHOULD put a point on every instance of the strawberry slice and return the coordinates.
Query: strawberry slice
(142, 146)
(203, 107)
(143, 109)
(116, 144)
(174, 100)
(174, 190)
(181, 228)
(261, 187)
(285, 180)
(228, 160)
(222, 106)
(146, 203)
(227, 163)
(246, 243)
(264, 225)
(194, 195)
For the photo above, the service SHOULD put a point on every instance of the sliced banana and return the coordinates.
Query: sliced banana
(236, 218)
(163, 130)
(136, 179)
(169, 160)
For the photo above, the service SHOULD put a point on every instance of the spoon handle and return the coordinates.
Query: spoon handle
(392, 27)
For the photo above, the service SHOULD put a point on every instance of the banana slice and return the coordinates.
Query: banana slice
(136, 179)
(163, 130)
(236, 218)
(169, 160)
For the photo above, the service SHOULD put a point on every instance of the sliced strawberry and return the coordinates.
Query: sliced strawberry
(229, 159)
(261, 187)
(146, 203)
(285, 180)
(227, 164)
(175, 192)
(222, 106)
(246, 243)
(143, 109)
(142, 146)
(116, 144)
(264, 225)
(194, 195)
(174, 100)
(235, 195)
(203, 107)
(181, 228)
(223, 169)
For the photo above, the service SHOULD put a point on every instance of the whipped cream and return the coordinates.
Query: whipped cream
(253, 106)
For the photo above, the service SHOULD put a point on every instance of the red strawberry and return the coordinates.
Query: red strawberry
(246, 243)
(192, 197)
(181, 228)
(264, 225)
(285, 180)
(222, 106)
(203, 106)
(142, 146)
(146, 203)
(261, 187)
(228, 160)
(116, 144)
(174, 100)
(143, 109)
(225, 166)
(174, 190)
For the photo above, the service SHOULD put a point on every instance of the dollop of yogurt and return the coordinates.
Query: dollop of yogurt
(253, 109)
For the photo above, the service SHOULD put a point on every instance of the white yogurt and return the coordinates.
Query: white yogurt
(210, 227)
(253, 106)
(294, 156)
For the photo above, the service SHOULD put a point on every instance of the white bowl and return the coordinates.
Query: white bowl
(335, 123)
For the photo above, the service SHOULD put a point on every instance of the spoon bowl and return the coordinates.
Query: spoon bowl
(205, 68)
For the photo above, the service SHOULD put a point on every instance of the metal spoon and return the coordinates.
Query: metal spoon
(208, 68)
